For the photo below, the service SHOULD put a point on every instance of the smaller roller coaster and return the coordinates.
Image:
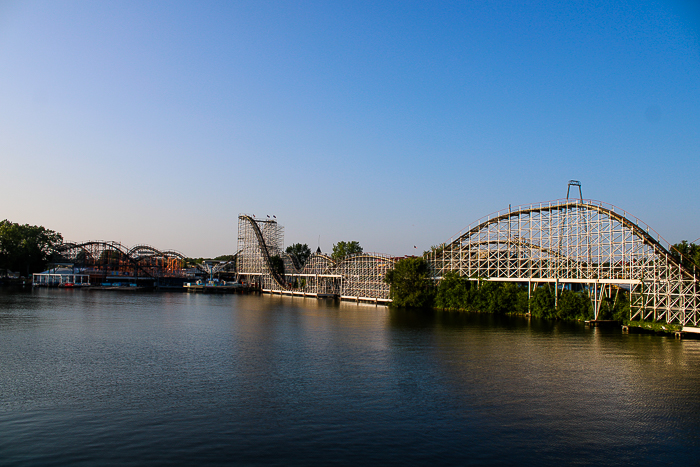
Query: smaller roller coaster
(356, 277)
(107, 258)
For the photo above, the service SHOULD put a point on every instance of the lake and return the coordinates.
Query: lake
(109, 378)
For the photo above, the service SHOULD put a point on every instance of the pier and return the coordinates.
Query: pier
(217, 287)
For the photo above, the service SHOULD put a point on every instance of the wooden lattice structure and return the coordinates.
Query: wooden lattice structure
(356, 277)
(576, 241)
(106, 257)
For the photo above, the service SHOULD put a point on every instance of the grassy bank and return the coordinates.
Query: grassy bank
(653, 326)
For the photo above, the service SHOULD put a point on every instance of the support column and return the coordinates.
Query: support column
(596, 301)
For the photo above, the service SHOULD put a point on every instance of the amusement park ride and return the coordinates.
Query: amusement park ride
(569, 241)
(141, 265)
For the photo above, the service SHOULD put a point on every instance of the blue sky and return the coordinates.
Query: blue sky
(395, 124)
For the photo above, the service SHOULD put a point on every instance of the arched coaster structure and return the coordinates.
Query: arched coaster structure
(106, 257)
(576, 241)
(358, 277)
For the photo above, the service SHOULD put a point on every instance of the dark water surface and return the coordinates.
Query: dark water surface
(99, 378)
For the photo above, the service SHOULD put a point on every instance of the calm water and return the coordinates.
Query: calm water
(90, 378)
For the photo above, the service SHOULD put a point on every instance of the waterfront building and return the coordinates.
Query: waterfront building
(60, 277)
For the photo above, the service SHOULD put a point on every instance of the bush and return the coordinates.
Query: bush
(617, 306)
(457, 293)
(452, 292)
(574, 305)
(410, 285)
(542, 302)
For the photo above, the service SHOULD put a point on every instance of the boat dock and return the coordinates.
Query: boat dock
(217, 287)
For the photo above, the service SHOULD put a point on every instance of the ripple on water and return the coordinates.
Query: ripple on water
(98, 378)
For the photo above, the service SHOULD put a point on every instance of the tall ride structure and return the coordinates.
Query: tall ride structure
(262, 262)
(259, 241)
(576, 241)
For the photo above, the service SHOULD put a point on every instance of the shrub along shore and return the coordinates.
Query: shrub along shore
(411, 287)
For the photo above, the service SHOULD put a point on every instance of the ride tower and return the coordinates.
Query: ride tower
(259, 241)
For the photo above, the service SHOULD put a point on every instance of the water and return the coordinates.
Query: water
(99, 378)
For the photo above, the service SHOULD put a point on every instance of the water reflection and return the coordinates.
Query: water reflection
(577, 387)
(199, 378)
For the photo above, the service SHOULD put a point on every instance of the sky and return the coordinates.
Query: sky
(393, 123)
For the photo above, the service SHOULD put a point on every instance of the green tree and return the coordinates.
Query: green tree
(542, 302)
(190, 262)
(343, 249)
(225, 257)
(574, 305)
(437, 249)
(506, 297)
(690, 254)
(615, 306)
(277, 265)
(453, 292)
(26, 248)
(302, 252)
(410, 284)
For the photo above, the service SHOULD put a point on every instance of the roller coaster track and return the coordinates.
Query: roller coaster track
(520, 244)
(611, 211)
(581, 241)
(264, 249)
(567, 241)
(295, 262)
(335, 264)
(357, 277)
(139, 250)
(131, 255)
(298, 268)
(103, 246)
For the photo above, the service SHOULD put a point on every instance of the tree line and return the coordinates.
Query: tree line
(26, 248)
(340, 251)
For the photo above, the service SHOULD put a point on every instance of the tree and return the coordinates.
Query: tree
(452, 292)
(502, 298)
(542, 302)
(343, 249)
(225, 258)
(690, 252)
(574, 305)
(277, 265)
(302, 252)
(26, 248)
(410, 284)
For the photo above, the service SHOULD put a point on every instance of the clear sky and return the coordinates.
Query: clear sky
(395, 124)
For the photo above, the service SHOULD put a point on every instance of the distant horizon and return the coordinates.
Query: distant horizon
(394, 124)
